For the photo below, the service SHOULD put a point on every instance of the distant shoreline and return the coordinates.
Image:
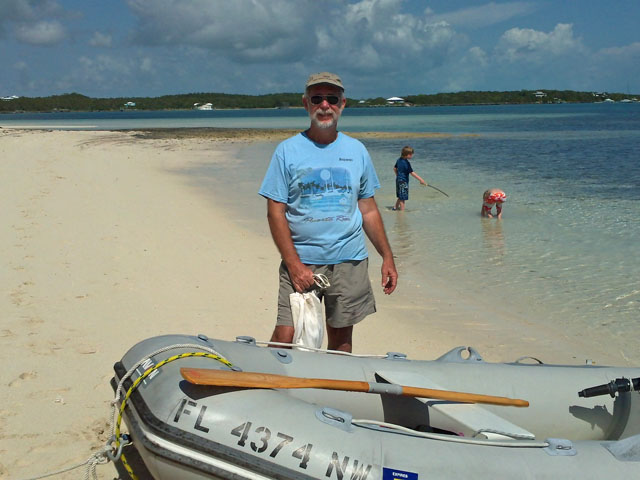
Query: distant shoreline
(75, 102)
(355, 107)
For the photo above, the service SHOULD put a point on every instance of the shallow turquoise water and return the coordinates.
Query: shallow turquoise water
(566, 252)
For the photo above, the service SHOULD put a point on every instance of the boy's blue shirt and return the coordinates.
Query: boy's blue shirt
(404, 169)
(321, 186)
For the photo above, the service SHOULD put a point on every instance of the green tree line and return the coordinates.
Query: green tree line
(78, 102)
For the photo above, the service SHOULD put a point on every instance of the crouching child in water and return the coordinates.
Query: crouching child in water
(491, 197)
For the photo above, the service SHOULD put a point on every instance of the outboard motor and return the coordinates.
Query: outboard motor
(619, 385)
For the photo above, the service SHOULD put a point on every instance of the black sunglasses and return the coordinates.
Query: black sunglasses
(317, 99)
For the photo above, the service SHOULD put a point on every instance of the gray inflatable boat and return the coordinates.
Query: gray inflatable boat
(581, 421)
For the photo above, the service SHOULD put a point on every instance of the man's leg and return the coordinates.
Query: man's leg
(339, 338)
(347, 301)
(284, 329)
(282, 334)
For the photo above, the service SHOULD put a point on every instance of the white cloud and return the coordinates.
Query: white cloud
(629, 52)
(105, 63)
(146, 65)
(532, 45)
(484, 15)
(40, 33)
(368, 34)
(380, 47)
(99, 71)
(465, 72)
(248, 30)
(34, 22)
(617, 68)
(477, 56)
(101, 40)
(27, 10)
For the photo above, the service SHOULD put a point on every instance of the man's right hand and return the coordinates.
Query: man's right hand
(301, 277)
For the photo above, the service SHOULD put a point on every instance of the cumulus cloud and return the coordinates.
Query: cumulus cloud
(101, 40)
(34, 22)
(619, 66)
(373, 37)
(361, 37)
(629, 52)
(248, 30)
(146, 65)
(40, 33)
(477, 56)
(27, 10)
(526, 44)
(99, 71)
(376, 45)
(484, 15)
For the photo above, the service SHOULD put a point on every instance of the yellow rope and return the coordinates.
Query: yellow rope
(139, 380)
(127, 467)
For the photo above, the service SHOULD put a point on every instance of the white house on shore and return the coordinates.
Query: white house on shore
(204, 106)
(395, 101)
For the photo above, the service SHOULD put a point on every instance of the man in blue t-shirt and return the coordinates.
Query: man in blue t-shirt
(320, 188)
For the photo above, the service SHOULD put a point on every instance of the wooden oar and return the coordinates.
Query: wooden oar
(228, 378)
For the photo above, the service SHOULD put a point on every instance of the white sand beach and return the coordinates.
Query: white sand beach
(104, 243)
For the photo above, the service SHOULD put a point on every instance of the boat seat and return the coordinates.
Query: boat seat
(466, 419)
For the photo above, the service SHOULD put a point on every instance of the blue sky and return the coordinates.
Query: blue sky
(120, 48)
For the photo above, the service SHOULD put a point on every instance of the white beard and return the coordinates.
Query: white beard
(330, 123)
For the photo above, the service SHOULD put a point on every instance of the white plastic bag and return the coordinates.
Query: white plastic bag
(308, 320)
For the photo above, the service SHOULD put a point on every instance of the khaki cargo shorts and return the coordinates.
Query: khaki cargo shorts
(346, 302)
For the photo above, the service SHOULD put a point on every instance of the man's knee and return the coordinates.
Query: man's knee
(340, 338)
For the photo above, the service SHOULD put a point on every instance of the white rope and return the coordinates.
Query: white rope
(100, 457)
(321, 280)
(119, 389)
(515, 436)
(321, 350)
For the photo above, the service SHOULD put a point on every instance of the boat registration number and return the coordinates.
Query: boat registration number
(261, 440)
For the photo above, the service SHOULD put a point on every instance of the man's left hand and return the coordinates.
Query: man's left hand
(389, 276)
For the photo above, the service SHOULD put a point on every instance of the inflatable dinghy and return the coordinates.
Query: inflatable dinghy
(200, 408)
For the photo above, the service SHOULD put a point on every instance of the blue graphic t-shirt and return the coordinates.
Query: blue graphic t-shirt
(321, 185)
(404, 170)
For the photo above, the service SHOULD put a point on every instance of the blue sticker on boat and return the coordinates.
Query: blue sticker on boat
(393, 474)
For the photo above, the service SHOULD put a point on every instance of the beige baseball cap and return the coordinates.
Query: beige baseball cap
(324, 77)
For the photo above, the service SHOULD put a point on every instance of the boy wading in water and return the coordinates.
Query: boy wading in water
(403, 169)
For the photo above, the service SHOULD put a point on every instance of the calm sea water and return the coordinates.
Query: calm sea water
(566, 252)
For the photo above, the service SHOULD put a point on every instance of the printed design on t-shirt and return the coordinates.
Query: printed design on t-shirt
(327, 192)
